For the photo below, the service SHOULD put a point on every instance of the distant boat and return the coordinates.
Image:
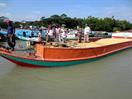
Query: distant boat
(34, 39)
(29, 35)
(24, 34)
(45, 56)
(122, 35)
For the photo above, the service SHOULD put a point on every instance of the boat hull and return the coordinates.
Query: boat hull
(42, 63)
(56, 57)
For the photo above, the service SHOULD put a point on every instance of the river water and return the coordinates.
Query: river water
(106, 78)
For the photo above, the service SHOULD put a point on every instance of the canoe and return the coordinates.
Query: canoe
(50, 56)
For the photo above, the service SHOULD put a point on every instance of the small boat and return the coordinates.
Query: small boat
(122, 35)
(29, 35)
(26, 33)
(34, 39)
(50, 56)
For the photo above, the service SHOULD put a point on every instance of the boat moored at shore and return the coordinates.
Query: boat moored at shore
(50, 56)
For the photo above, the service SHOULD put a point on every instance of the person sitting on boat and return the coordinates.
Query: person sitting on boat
(24, 34)
(32, 34)
(11, 35)
(87, 30)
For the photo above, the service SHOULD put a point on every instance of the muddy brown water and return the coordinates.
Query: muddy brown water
(107, 78)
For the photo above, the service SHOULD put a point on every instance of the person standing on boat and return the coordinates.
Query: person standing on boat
(11, 35)
(87, 30)
(79, 34)
(40, 35)
(54, 32)
(63, 33)
(50, 35)
(58, 33)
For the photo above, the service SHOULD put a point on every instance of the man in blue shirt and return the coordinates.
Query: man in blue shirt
(11, 35)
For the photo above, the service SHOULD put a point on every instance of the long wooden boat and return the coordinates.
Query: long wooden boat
(49, 56)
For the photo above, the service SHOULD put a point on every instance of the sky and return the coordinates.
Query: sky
(34, 9)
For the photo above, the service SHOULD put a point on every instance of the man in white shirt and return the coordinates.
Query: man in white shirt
(87, 30)
(63, 33)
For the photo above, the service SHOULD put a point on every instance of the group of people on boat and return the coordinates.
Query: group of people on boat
(55, 33)
(59, 33)
(83, 33)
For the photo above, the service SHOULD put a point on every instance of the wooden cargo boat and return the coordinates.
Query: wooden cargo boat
(49, 56)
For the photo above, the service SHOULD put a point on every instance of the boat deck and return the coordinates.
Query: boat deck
(98, 43)
(103, 42)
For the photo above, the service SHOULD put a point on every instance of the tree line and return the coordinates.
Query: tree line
(108, 24)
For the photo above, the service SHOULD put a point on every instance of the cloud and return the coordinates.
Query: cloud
(35, 15)
(119, 12)
(3, 4)
(7, 14)
(37, 12)
(30, 17)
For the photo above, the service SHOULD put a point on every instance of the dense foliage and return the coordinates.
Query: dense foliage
(96, 24)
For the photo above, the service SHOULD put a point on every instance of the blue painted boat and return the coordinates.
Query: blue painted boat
(26, 33)
(29, 35)
(34, 39)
